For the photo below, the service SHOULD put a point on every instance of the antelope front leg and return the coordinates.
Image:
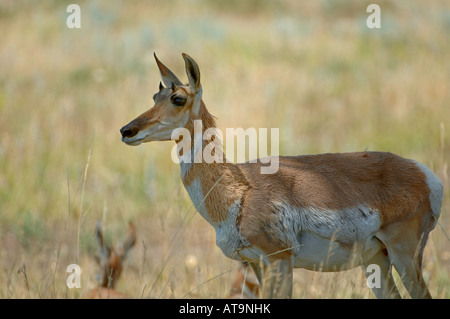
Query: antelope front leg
(275, 278)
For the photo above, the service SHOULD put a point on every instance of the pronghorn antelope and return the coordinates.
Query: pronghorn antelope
(245, 284)
(110, 261)
(327, 212)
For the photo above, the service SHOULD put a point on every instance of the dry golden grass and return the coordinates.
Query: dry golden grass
(313, 69)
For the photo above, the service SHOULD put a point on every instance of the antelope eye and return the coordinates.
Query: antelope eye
(178, 101)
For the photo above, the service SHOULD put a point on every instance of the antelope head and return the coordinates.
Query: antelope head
(175, 106)
(111, 259)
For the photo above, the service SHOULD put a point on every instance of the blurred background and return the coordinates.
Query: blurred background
(313, 69)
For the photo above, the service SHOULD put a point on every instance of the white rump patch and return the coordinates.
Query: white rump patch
(436, 189)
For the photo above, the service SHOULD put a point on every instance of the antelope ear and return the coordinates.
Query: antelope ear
(167, 76)
(101, 244)
(129, 241)
(193, 73)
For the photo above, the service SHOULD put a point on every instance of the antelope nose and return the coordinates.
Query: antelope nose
(128, 131)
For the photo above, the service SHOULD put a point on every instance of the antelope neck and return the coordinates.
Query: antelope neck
(213, 187)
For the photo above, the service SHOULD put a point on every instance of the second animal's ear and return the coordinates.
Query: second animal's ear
(129, 241)
(101, 244)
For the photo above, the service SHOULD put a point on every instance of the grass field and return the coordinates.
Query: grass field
(312, 69)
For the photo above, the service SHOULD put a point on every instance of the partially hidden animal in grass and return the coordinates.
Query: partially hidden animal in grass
(110, 262)
(327, 212)
(245, 284)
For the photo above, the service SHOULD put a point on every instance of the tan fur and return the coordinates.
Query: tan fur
(387, 185)
(386, 182)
